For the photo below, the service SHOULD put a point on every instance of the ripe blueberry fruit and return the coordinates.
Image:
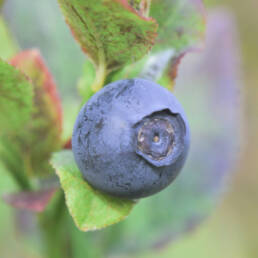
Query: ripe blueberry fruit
(131, 139)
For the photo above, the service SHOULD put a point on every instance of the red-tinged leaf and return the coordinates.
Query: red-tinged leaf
(38, 138)
(33, 201)
(16, 95)
(181, 28)
(31, 63)
(68, 144)
(111, 32)
(173, 69)
(170, 73)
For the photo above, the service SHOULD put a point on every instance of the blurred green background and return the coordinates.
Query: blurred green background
(232, 230)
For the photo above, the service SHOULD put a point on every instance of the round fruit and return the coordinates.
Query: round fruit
(131, 139)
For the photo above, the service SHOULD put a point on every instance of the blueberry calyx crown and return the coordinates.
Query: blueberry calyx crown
(155, 137)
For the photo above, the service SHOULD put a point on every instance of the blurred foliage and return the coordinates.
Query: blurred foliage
(53, 38)
(181, 23)
(232, 231)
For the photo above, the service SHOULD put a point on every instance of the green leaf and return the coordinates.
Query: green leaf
(90, 209)
(41, 135)
(16, 96)
(16, 105)
(181, 23)
(112, 33)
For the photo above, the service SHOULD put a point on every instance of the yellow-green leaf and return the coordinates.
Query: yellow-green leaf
(90, 208)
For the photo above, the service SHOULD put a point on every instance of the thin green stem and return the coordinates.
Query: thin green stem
(101, 73)
(52, 225)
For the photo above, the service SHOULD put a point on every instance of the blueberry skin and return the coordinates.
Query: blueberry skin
(131, 139)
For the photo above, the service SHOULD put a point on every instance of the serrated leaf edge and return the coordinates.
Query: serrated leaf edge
(87, 229)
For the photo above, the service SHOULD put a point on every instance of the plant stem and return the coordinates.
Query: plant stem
(52, 226)
(101, 72)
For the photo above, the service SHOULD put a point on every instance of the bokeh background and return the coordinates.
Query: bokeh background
(232, 229)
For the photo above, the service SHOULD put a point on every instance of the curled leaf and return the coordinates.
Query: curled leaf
(156, 64)
(169, 75)
(90, 209)
(182, 26)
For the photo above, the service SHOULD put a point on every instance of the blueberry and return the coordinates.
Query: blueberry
(131, 139)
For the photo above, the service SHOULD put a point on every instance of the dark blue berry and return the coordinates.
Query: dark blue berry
(131, 139)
